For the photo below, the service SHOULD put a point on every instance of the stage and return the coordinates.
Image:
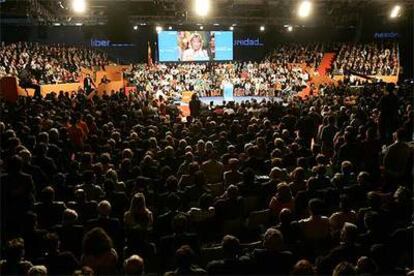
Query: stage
(219, 101)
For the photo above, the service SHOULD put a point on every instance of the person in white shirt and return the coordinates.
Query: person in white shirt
(196, 51)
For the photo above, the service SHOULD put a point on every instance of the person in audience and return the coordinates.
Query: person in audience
(98, 252)
(272, 259)
(37, 270)
(138, 213)
(233, 261)
(134, 265)
(185, 263)
(58, 262)
(14, 263)
(303, 267)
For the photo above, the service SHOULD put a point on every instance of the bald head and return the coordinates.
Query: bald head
(134, 265)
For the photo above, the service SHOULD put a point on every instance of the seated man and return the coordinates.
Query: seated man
(233, 262)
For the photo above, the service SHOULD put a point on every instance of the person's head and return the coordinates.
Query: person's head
(84, 271)
(346, 167)
(366, 266)
(179, 223)
(37, 270)
(184, 256)
(47, 194)
(303, 267)
(25, 155)
(316, 207)
(52, 243)
(363, 178)
(349, 233)
(134, 265)
(374, 200)
(69, 216)
(104, 208)
(232, 192)
(231, 246)
(273, 240)
(233, 164)
(14, 250)
(171, 183)
(298, 174)
(277, 174)
(196, 42)
(96, 242)
(398, 135)
(283, 193)
(285, 216)
(344, 269)
(137, 203)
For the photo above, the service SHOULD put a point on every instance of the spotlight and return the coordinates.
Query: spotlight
(201, 27)
(78, 24)
(262, 28)
(79, 6)
(289, 28)
(158, 29)
(395, 12)
(231, 28)
(56, 24)
(201, 7)
(169, 28)
(305, 9)
(135, 27)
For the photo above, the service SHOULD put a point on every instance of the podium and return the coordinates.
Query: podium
(8, 89)
(228, 88)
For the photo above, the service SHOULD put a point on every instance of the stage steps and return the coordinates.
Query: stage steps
(320, 76)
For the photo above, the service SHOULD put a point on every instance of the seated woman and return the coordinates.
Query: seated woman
(98, 252)
(138, 213)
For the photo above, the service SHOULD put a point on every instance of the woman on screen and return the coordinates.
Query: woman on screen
(195, 52)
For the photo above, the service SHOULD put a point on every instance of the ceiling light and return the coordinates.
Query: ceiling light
(305, 9)
(169, 28)
(201, 27)
(79, 6)
(201, 7)
(290, 28)
(395, 12)
(135, 27)
(158, 29)
(231, 28)
(262, 28)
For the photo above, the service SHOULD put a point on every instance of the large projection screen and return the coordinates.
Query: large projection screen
(189, 46)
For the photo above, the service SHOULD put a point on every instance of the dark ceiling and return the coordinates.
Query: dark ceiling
(339, 13)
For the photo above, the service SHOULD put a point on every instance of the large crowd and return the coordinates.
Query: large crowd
(310, 54)
(248, 78)
(48, 64)
(122, 184)
(368, 59)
